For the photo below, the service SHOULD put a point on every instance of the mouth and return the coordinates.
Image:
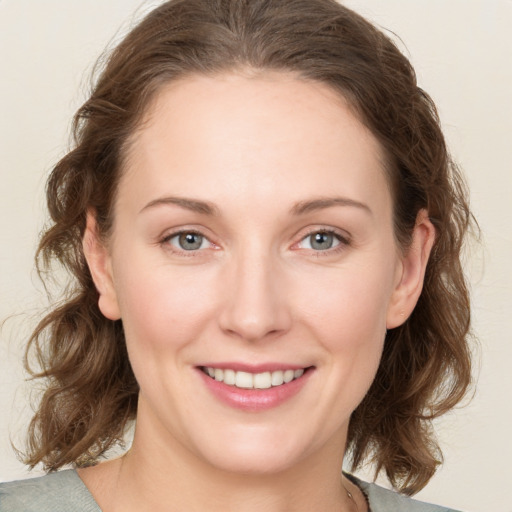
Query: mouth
(254, 388)
(248, 380)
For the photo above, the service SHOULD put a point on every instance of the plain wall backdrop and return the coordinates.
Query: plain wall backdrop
(462, 52)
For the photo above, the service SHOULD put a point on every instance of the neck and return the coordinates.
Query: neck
(172, 485)
(160, 473)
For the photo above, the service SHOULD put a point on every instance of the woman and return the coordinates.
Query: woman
(264, 228)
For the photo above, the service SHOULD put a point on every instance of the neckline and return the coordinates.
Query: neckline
(90, 501)
(85, 492)
(359, 484)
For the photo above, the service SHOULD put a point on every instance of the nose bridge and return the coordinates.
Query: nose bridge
(256, 304)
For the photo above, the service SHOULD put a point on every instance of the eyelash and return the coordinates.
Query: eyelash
(343, 240)
(187, 254)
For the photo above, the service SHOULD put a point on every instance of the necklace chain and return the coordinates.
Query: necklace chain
(349, 494)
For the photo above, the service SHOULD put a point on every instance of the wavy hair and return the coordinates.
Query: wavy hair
(91, 392)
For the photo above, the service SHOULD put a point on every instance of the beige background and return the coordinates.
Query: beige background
(462, 50)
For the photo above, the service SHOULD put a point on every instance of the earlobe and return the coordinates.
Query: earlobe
(99, 262)
(413, 266)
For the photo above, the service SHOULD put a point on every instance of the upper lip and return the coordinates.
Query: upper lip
(254, 368)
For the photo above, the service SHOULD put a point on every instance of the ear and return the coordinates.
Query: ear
(412, 272)
(99, 262)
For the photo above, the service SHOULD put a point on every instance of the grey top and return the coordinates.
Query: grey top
(64, 491)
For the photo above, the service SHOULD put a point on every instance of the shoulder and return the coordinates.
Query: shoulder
(56, 492)
(384, 500)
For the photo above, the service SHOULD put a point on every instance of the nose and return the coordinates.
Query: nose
(256, 305)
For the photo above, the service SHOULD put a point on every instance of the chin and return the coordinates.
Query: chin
(254, 463)
(256, 452)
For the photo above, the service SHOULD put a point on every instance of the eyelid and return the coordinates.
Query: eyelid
(164, 241)
(343, 237)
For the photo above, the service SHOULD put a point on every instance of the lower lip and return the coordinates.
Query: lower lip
(255, 400)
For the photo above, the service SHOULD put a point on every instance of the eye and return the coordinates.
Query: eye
(322, 240)
(187, 241)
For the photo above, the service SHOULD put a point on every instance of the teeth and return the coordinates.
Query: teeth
(243, 380)
(246, 380)
(262, 380)
(288, 376)
(229, 377)
(277, 378)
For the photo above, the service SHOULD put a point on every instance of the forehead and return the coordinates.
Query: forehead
(271, 135)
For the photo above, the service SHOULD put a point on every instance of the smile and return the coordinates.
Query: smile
(246, 380)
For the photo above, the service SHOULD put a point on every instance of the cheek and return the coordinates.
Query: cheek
(349, 306)
(164, 308)
(346, 314)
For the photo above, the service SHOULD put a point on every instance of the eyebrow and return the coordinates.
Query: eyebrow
(322, 203)
(194, 205)
(300, 208)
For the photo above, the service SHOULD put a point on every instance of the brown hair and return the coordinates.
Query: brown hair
(91, 391)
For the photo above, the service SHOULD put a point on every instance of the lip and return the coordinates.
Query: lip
(253, 368)
(255, 400)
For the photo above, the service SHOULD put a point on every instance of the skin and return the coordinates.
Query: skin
(253, 146)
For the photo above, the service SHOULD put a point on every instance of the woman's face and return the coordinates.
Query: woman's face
(252, 239)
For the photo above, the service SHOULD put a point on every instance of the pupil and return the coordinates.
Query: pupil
(322, 241)
(190, 241)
